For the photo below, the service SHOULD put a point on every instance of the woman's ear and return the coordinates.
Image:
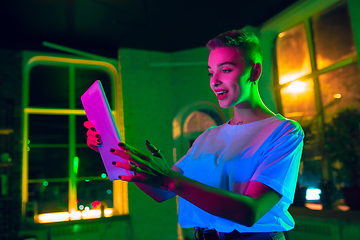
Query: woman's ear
(255, 72)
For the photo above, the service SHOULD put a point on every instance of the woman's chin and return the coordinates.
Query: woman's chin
(224, 104)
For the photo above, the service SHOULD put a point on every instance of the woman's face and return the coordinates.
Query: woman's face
(229, 76)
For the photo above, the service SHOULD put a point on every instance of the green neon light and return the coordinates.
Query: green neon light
(45, 183)
(103, 175)
(76, 165)
(28, 141)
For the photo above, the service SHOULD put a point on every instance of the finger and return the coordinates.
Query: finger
(133, 178)
(129, 156)
(126, 166)
(91, 133)
(92, 143)
(89, 125)
(133, 150)
(154, 151)
(96, 149)
(121, 153)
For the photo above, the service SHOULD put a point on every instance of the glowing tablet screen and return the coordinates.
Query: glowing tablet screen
(98, 112)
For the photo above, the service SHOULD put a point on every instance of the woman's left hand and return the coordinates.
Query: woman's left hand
(151, 170)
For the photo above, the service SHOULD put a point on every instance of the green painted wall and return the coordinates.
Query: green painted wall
(156, 86)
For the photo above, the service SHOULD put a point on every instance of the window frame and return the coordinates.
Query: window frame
(315, 73)
(31, 59)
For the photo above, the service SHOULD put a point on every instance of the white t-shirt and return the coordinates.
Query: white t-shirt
(230, 156)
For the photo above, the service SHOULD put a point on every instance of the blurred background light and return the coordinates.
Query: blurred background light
(313, 194)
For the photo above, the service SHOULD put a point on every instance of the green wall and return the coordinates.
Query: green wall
(156, 86)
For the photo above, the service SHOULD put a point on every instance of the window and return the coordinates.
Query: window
(60, 173)
(318, 76)
(318, 72)
(198, 121)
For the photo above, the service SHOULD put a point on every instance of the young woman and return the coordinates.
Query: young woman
(238, 179)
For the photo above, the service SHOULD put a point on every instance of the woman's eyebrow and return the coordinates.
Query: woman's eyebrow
(224, 63)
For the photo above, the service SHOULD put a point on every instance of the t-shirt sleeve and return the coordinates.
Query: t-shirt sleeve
(182, 162)
(280, 161)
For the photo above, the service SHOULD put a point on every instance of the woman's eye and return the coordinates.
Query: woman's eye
(226, 70)
(210, 74)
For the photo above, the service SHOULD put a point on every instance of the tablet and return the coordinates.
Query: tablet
(98, 112)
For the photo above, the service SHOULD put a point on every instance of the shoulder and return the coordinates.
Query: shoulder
(211, 130)
(288, 126)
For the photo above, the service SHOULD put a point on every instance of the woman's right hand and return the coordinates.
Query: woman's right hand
(93, 136)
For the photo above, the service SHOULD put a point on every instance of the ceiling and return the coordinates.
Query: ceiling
(102, 26)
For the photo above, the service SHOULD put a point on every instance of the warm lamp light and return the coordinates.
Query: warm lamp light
(54, 217)
(337, 95)
(108, 212)
(75, 215)
(296, 87)
(91, 214)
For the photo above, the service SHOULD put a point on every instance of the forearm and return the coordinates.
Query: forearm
(159, 195)
(232, 206)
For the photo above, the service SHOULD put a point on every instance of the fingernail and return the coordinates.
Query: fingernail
(92, 129)
(119, 177)
(121, 144)
(113, 163)
(112, 150)
(97, 135)
(147, 141)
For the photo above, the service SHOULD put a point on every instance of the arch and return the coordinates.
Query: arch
(184, 139)
(204, 106)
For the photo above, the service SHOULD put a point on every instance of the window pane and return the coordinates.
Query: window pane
(81, 136)
(333, 36)
(292, 54)
(93, 192)
(85, 77)
(198, 121)
(340, 89)
(90, 163)
(49, 87)
(50, 196)
(176, 129)
(48, 129)
(46, 163)
(298, 100)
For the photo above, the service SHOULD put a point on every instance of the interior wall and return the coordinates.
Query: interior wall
(155, 87)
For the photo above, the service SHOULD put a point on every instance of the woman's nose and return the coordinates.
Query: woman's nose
(215, 82)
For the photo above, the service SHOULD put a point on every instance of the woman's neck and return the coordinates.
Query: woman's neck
(245, 113)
